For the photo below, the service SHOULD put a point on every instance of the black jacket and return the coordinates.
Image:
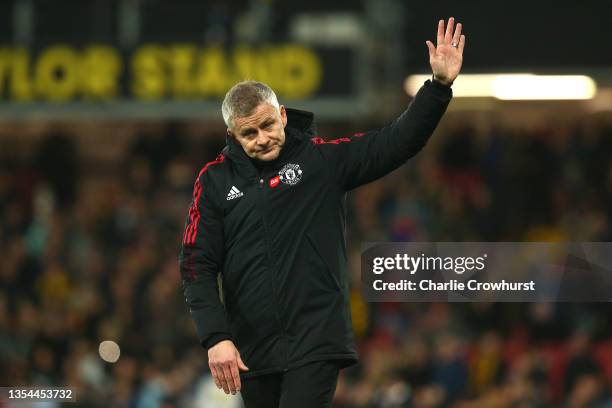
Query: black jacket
(277, 238)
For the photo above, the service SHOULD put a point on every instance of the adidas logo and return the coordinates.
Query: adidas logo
(234, 193)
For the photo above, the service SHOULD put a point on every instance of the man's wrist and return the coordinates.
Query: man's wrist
(440, 81)
(216, 338)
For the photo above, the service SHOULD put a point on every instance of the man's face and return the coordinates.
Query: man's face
(262, 134)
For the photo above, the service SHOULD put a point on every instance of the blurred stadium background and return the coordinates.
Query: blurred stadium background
(109, 108)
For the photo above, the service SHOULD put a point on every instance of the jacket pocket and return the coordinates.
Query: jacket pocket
(326, 272)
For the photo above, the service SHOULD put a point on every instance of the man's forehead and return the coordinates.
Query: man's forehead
(262, 111)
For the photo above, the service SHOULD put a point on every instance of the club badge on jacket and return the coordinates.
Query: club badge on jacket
(290, 174)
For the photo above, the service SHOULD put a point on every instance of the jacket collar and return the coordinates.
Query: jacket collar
(301, 120)
(300, 127)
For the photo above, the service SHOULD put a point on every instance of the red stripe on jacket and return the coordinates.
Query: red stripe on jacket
(317, 140)
(194, 211)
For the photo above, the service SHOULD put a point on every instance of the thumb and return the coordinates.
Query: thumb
(241, 364)
(431, 48)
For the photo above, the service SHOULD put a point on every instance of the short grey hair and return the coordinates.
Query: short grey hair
(243, 98)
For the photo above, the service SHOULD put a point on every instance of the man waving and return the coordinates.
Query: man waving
(267, 220)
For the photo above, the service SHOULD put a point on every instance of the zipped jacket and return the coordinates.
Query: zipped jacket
(263, 259)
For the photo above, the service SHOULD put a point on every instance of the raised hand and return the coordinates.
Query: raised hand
(447, 56)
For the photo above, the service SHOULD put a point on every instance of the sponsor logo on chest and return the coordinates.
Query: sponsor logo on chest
(234, 193)
(274, 181)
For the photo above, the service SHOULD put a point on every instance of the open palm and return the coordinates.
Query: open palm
(446, 56)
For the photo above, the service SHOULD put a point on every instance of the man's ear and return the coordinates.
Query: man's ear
(283, 113)
(229, 133)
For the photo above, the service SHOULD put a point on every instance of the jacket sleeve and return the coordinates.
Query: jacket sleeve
(368, 156)
(200, 261)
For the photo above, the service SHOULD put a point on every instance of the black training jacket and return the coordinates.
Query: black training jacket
(277, 238)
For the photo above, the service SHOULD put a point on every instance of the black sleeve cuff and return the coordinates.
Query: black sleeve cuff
(214, 339)
(439, 84)
(439, 89)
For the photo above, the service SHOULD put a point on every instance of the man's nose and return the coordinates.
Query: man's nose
(262, 138)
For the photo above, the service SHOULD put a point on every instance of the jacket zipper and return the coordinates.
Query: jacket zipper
(271, 268)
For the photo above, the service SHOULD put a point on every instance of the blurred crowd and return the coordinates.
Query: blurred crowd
(92, 255)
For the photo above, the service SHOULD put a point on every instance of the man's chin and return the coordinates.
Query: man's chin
(268, 156)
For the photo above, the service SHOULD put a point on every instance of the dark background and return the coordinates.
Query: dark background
(93, 199)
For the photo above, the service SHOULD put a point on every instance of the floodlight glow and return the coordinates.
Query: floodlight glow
(523, 86)
(544, 87)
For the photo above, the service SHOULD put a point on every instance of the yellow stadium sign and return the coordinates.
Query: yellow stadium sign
(154, 72)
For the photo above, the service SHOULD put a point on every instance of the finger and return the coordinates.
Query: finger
(461, 44)
(235, 376)
(431, 48)
(457, 35)
(215, 375)
(241, 364)
(223, 379)
(448, 37)
(440, 37)
(227, 372)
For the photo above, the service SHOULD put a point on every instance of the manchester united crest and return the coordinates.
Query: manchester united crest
(290, 174)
